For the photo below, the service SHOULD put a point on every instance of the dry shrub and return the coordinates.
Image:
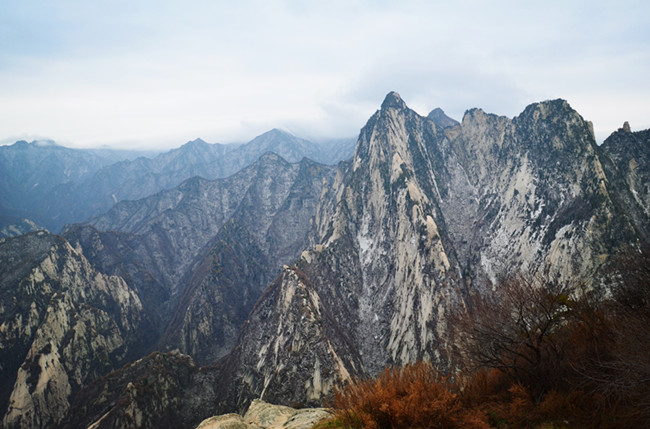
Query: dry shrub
(415, 396)
(484, 385)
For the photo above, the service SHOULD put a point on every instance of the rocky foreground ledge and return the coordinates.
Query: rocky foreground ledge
(262, 415)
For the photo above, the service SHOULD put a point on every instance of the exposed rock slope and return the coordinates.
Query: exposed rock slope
(421, 215)
(271, 225)
(542, 199)
(204, 251)
(160, 390)
(290, 347)
(62, 325)
(262, 415)
(630, 155)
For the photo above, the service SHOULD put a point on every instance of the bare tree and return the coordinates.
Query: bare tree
(516, 329)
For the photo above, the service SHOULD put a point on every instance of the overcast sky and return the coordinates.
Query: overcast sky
(158, 73)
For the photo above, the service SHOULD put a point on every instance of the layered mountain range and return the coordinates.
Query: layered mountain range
(45, 185)
(289, 278)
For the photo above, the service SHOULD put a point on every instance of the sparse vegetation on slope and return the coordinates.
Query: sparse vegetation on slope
(534, 355)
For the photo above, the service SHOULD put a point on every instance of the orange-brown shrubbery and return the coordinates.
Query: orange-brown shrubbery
(415, 396)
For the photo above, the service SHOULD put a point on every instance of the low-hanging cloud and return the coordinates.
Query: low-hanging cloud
(160, 73)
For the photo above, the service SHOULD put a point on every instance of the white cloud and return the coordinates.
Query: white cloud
(161, 73)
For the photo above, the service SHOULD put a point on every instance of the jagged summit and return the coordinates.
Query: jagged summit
(393, 100)
(474, 112)
(279, 132)
(272, 157)
(441, 120)
(197, 141)
(558, 108)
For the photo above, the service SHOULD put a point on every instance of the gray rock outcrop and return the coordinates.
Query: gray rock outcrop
(262, 415)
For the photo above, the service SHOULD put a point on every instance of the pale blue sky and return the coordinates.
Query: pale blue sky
(159, 73)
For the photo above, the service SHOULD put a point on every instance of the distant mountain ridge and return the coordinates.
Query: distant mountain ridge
(52, 186)
(29, 172)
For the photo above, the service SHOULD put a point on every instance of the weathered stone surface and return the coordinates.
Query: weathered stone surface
(265, 415)
(160, 390)
(306, 418)
(629, 172)
(226, 421)
(262, 415)
(63, 324)
(299, 361)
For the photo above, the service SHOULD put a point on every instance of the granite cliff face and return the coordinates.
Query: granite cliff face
(422, 214)
(290, 350)
(202, 253)
(269, 227)
(62, 325)
(543, 202)
(629, 153)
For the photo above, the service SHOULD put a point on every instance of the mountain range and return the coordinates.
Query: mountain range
(190, 293)
(44, 185)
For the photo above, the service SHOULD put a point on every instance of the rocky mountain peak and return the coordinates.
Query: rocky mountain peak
(473, 114)
(273, 135)
(271, 157)
(626, 127)
(393, 100)
(386, 132)
(441, 120)
(555, 128)
(278, 132)
(555, 110)
(193, 148)
(197, 142)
